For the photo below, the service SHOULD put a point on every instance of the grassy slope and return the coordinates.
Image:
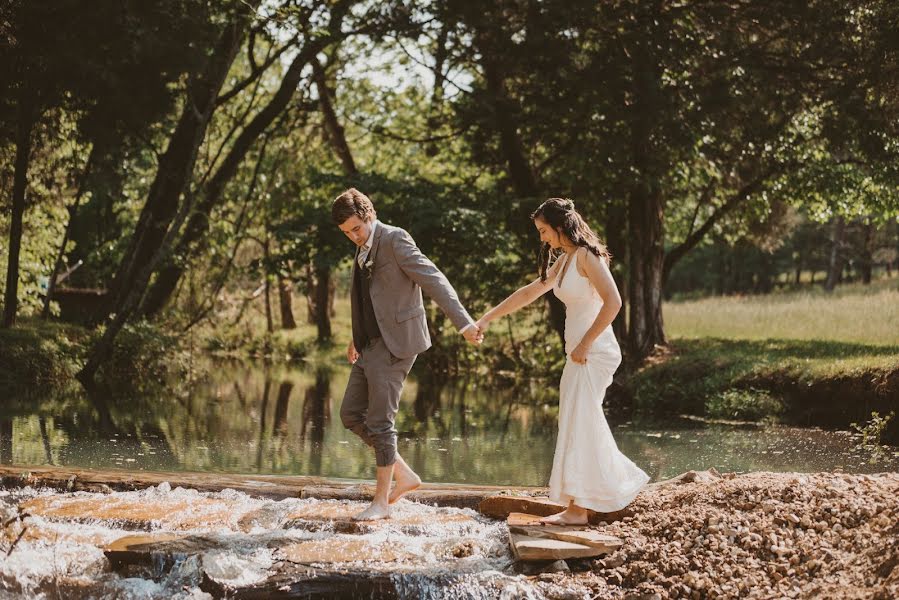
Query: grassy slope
(791, 346)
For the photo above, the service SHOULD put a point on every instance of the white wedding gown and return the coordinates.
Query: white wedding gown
(588, 468)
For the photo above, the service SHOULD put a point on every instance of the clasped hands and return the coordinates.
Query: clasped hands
(474, 334)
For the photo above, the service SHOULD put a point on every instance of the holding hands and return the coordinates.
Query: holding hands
(474, 335)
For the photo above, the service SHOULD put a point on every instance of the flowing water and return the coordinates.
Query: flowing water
(176, 543)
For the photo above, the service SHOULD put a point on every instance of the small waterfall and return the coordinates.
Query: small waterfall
(165, 542)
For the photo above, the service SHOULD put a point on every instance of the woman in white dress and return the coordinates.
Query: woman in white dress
(589, 472)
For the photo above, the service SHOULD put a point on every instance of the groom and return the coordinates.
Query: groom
(389, 331)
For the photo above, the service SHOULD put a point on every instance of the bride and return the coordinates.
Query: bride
(589, 472)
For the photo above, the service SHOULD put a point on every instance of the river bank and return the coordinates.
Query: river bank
(700, 535)
(807, 382)
(46, 355)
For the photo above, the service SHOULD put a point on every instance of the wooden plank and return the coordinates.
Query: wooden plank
(500, 507)
(276, 487)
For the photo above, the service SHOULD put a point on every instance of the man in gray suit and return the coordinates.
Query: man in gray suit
(389, 331)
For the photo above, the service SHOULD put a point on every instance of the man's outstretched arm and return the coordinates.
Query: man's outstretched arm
(425, 273)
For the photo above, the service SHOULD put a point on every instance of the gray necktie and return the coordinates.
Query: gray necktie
(363, 254)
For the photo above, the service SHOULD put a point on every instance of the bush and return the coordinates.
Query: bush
(143, 353)
(38, 354)
(745, 404)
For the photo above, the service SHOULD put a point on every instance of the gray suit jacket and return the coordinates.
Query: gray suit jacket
(399, 273)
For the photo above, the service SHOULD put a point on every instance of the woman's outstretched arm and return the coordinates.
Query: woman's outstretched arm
(520, 297)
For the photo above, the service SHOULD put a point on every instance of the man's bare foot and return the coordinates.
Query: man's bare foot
(374, 512)
(406, 480)
(566, 517)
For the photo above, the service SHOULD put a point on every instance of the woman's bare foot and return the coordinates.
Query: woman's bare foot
(406, 480)
(573, 515)
(375, 511)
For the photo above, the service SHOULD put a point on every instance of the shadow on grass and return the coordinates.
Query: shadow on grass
(781, 348)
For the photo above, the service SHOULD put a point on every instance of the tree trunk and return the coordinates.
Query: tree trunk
(837, 257)
(175, 167)
(174, 172)
(285, 297)
(866, 260)
(25, 124)
(322, 292)
(335, 131)
(269, 321)
(616, 241)
(645, 212)
(198, 222)
(521, 173)
(73, 210)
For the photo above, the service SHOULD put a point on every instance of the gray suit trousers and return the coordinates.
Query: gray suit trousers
(372, 398)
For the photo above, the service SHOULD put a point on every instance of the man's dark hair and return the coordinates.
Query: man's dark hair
(352, 202)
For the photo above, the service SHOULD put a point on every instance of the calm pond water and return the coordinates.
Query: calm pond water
(250, 418)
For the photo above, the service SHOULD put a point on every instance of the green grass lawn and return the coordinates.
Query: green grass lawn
(853, 313)
(743, 356)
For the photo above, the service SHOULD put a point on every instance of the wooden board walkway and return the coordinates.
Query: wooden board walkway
(275, 487)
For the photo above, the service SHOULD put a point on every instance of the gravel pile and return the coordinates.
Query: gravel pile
(758, 535)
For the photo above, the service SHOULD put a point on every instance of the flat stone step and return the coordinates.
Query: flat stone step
(138, 514)
(292, 577)
(335, 551)
(574, 534)
(529, 548)
(338, 516)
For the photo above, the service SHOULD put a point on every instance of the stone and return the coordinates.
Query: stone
(557, 566)
(138, 513)
(585, 537)
(157, 549)
(528, 548)
(338, 516)
(344, 551)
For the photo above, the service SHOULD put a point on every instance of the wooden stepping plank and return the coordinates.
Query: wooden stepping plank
(586, 537)
(528, 548)
(500, 507)
(522, 519)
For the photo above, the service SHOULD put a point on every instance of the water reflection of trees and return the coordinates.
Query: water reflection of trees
(95, 429)
(314, 418)
(267, 418)
(6, 441)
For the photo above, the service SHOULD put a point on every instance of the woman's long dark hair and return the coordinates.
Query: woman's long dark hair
(560, 214)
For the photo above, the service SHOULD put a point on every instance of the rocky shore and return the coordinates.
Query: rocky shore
(756, 535)
(699, 535)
